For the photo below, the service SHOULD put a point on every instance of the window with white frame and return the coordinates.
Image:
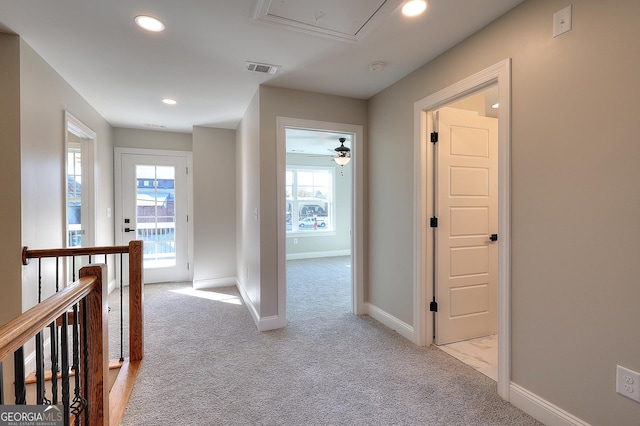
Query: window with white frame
(309, 199)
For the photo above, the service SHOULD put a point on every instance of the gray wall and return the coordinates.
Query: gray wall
(575, 196)
(256, 156)
(276, 102)
(214, 207)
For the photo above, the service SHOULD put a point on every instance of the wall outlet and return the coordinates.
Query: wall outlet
(628, 383)
(562, 21)
(295, 241)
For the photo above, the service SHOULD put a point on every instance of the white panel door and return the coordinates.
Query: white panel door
(154, 203)
(467, 206)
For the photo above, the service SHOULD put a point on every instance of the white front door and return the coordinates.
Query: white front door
(467, 202)
(154, 208)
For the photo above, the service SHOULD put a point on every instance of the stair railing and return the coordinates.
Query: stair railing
(123, 385)
(89, 296)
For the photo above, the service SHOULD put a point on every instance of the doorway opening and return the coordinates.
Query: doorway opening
(477, 246)
(318, 221)
(320, 205)
(465, 197)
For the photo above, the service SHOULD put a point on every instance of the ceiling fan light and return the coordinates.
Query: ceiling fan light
(342, 160)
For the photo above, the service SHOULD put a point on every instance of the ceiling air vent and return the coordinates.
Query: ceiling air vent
(262, 68)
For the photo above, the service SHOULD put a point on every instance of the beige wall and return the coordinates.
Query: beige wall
(11, 247)
(214, 206)
(247, 205)
(44, 98)
(575, 197)
(32, 117)
(152, 139)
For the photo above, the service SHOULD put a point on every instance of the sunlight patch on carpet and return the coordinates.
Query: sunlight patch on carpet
(210, 295)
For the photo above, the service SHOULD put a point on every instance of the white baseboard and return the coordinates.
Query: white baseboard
(402, 328)
(262, 324)
(317, 254)
(112, 286)
(215, 282)
(541, 409)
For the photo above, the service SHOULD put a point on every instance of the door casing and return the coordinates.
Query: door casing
(499, 74)
(357, 209)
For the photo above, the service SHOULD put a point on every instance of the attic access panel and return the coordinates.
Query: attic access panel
(346, 20)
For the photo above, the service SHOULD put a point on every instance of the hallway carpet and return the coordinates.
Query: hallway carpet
(206, 364)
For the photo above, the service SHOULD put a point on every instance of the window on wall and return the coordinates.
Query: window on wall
(309, 199)
(74, 194)
(79, 183)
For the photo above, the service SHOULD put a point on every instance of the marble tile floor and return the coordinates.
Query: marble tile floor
(480, 353)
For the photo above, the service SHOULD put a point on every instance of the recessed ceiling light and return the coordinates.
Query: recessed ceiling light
(414, 7)
(169, 101)
(149, 23)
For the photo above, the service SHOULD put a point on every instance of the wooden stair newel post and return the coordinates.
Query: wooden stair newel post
(136, 307)
(98, 345)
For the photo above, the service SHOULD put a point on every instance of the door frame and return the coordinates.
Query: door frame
(499, 74)
(357, 207)
(117, 160)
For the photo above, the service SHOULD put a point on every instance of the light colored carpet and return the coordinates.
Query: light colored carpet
(206, 364)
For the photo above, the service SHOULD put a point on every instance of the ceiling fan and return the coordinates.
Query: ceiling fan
(343, 153)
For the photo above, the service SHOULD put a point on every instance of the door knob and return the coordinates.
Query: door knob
(129, 229)
(493, 237)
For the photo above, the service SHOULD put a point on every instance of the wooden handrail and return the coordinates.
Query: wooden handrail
(18, 331)
(91, 290)
(72, 251)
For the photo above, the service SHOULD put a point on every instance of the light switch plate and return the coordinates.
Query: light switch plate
(562, 21)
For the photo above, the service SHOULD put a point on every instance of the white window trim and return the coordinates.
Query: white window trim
(295, 230)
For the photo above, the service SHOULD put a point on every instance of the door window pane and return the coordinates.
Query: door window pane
(155, 214)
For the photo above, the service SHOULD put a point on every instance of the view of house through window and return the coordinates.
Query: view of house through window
(309, 199)
(74, 195)
(155, 214)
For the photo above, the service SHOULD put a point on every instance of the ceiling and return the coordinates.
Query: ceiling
(199, 60)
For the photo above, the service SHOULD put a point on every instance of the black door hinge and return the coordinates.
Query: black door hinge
(434, 137)
(433, 306)
(433, 222)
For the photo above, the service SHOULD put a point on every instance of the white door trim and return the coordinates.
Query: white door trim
(357, 210)
(499, 74)
(117, 160)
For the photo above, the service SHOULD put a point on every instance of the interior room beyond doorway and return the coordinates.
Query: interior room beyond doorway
(318, 212)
